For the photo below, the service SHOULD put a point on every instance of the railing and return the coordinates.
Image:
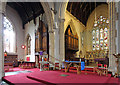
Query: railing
(54, 59)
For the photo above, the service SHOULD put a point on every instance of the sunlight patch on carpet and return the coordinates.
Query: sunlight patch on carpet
(16, 72)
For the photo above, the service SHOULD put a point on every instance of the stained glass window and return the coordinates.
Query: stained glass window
(100, 34)
(9, 36)
(97, 39)
(93, 39)
(28, 45)
(101, 39)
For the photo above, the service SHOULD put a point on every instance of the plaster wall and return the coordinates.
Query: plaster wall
(30, 28)
(16, 21)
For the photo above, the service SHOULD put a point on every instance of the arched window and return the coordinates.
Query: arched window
(9, 36)
(28, 45)
(100, 34)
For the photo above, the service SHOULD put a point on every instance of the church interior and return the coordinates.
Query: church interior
(59, 43)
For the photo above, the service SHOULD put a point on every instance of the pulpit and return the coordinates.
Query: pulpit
(118, 64)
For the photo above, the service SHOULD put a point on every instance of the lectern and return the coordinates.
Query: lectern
(118, 64)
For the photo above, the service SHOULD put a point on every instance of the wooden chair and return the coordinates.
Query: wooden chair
(46, 66)
(23, 65)
(105, 70)
(29, 65)
(98, 70)
(33, 65)
(56, 66)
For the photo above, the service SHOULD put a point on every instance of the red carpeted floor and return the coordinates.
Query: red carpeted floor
(55, 77)
(58, 77)
(21, 78)
(20, 69)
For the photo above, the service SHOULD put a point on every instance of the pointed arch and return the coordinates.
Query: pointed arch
(72, 26)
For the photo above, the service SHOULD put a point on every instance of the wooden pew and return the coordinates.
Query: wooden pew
(8, 66)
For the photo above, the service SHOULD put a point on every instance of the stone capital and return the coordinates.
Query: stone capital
(62, 20)
(50, 31)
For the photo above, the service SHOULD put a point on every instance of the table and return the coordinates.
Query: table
(69, 63)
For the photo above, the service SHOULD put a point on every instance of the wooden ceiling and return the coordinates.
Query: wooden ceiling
(30, 10)
(82, 10)
(27, 10)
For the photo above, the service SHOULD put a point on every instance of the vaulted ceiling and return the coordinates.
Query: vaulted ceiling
(82, 10)
(27, 10)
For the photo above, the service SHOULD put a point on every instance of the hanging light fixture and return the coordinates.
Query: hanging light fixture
(95, 23)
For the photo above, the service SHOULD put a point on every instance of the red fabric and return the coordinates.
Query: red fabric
(105, 65)
(28, 58)
(99, 65)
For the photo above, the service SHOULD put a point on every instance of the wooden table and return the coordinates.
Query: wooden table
(67, 65)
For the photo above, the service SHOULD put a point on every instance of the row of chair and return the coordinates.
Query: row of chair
(101, 69)
(27, 65)
(46, 66)
(7, 66)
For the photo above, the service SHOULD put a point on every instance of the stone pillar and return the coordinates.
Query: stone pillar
(62, 40)
(1, 43)
(118, 29)
(112, 44)
(57, 46)
(51, 47)
(118, 34)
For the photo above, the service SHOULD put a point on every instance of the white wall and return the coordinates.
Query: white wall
(15, 19)
(30, 28)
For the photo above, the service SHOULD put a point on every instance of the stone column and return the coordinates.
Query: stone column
(56, 47)
(62, 40)
(112, 44)
(51, 47)
(1, 43)
(118, 29)
(118, 34)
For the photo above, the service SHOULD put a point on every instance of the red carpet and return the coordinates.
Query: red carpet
(57, 77)
(20, 69)
(21, 78)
